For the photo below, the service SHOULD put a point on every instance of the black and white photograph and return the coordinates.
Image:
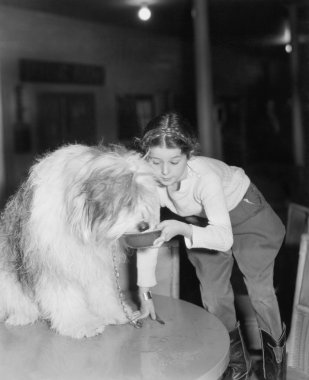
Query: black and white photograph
(154, 190)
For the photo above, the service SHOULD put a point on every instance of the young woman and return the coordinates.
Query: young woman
(240, 225)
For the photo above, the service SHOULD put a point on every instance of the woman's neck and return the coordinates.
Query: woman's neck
(177, 185)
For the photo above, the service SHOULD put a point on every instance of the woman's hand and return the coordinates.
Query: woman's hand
(171, 228)
(147, 306)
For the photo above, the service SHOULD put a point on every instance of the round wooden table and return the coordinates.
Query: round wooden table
(192, 344)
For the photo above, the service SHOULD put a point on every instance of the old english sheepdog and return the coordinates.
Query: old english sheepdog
(60, 238)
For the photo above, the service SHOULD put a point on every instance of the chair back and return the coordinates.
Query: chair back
(297, 223)
(298, 352)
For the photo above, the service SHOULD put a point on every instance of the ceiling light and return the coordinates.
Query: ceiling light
(144, 13)
(288, 48)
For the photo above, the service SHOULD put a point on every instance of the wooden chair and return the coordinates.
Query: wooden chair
(298, 342)
(287, 260)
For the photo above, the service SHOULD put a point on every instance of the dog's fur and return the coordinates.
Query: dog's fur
(59, 232)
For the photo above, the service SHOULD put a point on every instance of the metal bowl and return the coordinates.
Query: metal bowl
(141, 239)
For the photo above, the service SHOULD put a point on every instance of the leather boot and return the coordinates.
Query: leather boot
(240, 364)
(274, 356)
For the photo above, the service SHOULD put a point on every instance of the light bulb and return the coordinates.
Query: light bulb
(144, 13)
(288, 48)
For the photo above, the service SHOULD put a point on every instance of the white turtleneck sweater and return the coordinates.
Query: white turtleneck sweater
(210, 189)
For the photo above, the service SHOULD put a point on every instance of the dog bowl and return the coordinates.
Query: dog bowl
(141, 239)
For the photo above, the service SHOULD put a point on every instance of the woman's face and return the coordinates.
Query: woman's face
(169, 164)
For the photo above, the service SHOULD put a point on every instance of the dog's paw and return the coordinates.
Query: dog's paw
(88, 333)
(87, 330)
(20, 319)
(3, 316)
(22, 314)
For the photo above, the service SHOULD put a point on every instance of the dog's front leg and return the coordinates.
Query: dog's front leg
(65, 307)
(16, 307)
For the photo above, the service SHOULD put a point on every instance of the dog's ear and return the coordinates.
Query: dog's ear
(98, 201)
(79, 216)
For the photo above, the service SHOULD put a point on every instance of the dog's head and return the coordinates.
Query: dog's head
(114, 193)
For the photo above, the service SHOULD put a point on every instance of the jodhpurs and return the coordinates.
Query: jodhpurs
(258, 235)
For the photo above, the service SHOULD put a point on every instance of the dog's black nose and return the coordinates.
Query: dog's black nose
(143, 226)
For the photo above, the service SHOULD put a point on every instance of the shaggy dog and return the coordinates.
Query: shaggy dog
(60, 238)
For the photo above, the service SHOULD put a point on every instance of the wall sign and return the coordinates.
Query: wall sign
(60, 72)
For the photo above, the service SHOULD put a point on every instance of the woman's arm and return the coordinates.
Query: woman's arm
(146, 278)
(217, 235)
(171, 228)
(146, 303)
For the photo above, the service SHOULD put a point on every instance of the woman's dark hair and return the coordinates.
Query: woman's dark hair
(170, 130)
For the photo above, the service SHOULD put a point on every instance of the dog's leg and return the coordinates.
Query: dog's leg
(104, 299)
(66, 307)
(15, 306)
